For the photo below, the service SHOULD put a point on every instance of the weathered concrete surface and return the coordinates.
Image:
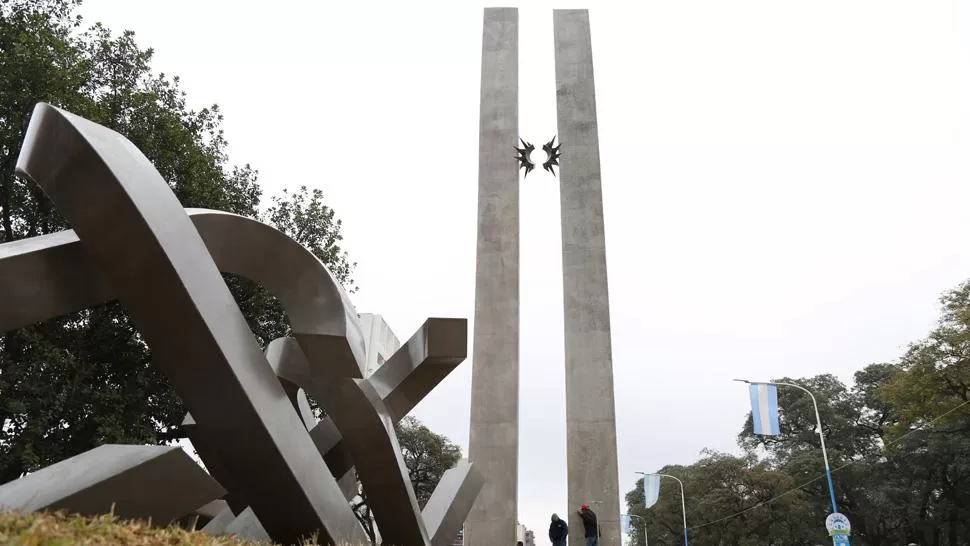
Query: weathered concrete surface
(590, 409)
(494, 443)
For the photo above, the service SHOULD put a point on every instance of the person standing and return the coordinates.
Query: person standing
(589, 525)
(558, 531)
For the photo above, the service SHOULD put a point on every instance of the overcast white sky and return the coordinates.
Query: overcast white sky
(785, 185)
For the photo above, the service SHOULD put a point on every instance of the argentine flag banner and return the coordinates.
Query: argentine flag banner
(625, 524)
(764, 409)
(651, 489)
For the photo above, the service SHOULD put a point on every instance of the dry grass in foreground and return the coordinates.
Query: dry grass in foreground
(38, 529)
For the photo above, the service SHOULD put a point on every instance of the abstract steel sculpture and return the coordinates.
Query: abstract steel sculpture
(114, 478)
(283, 470)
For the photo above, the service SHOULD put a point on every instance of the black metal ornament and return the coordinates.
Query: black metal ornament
(552, 155)
(524, 161)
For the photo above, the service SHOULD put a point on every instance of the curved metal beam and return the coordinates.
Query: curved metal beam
(114, 478)
(359, 405)
(321, 315)
(413, 371)
(46, 277)
(52, 275)
(60, 274)
(451, 501)
(138, 238)
(355, 405)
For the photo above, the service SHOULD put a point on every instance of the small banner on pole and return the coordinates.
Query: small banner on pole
(764, 409)
(651, 489)
(625, 524)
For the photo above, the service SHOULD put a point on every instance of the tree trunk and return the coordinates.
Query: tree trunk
(6, 191)
(954, 530)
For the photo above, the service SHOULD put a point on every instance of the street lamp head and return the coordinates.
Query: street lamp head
(742, 381)
(641, 473)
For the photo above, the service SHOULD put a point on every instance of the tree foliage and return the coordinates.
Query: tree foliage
(74, 382)
(426, 455)
(898, 441)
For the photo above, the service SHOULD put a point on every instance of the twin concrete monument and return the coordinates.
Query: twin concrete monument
(272, 468)
(590, 411)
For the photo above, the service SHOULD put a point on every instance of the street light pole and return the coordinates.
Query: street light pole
(683, 499)
(643, 522)
(821, 434)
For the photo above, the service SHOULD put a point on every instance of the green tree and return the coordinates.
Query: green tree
(797, 450)
(894, 488)
(427, 456)
(307, 220)
(717, 485)
(74, 382)
(854, 422)
(934, 386)
(937, 370)
(898, 441)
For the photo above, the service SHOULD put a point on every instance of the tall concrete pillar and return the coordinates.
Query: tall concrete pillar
(590, 409)
(494, 443)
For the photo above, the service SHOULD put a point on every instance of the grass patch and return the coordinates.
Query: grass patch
(59, 529)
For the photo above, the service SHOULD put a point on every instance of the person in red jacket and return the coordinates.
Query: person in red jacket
(589, 525)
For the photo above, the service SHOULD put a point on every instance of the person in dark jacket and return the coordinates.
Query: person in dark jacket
(558, 531)
(589, 525)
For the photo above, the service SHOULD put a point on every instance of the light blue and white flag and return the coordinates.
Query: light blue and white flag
(625, 524)
(651, 489)
(764, 409)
